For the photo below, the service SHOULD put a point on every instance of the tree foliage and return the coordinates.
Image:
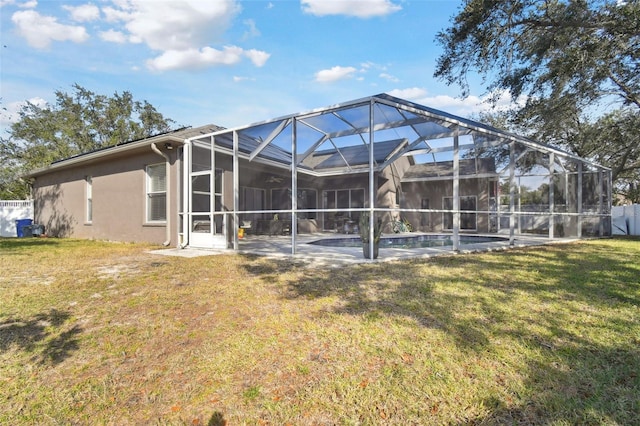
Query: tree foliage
(614, 140)
(576, 62)
(79, 122)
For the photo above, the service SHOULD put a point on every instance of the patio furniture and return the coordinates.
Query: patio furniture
(273, 227)
(246, 226)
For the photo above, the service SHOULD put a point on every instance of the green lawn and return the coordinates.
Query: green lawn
(104, 333)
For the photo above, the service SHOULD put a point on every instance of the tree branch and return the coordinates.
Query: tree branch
(565, 24)
(629, 95)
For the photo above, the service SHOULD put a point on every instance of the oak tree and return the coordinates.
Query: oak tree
(575, 62)
(77, 122)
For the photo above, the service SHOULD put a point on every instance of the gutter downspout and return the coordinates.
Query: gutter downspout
(155, 149)
(186, 164)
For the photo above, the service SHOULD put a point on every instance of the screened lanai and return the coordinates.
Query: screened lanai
(302, 182)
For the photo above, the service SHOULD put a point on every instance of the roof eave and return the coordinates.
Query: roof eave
(97, 155)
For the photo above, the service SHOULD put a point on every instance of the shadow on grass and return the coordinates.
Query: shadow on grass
(42, 336)
(600, 386)
(11, 246)
(217, 419)
(485, 299)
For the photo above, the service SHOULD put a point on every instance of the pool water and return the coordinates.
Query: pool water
(413, 241)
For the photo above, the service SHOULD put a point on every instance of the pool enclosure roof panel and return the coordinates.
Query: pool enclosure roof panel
(339, 136)
(353, 156)
(444, 169)
(246, 145)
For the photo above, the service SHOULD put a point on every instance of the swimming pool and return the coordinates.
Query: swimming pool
(413, 241)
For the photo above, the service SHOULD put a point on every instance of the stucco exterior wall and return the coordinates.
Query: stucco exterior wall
(435, 191)
(118, 194)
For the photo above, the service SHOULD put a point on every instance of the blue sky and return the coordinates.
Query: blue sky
(227, 62)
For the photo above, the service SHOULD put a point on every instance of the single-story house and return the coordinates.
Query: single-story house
(215, 188)
(127, 192)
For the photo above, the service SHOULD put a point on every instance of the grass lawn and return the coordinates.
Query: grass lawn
(104, 333)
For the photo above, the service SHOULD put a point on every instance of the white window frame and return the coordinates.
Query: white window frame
(462, 212)
(327, 217)
(151, 193)
(88, 199)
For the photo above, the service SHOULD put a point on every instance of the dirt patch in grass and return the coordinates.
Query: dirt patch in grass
(106, 333)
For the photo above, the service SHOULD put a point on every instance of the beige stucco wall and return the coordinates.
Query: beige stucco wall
(435, 191)
(119, 199)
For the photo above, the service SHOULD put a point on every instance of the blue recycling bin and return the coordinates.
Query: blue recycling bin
(20, 224)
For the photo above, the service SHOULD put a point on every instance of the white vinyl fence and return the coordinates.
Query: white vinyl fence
(625, 220)
(12, 210)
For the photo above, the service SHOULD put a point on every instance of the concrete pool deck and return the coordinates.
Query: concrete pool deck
(316, 255)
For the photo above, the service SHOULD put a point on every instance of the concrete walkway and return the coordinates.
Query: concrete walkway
(315, 255)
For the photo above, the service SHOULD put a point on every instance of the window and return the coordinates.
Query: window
(425, 218)
(156, 193)
(281, 200)
(467, 220)
(307, 200)
(218, 219)
(342, 199)
(494, 193)
(201, 193)
(251, 198)
(89, 193)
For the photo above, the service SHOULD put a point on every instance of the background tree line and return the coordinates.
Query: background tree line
(78, 122)
(574, 62)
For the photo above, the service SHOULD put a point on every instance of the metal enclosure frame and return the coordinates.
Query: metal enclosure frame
(400, 150)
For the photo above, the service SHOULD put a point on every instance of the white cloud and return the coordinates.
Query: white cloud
(196, 58)
(174, 25)
(252, 30)
(204, 57)
(41, 30)
(409, 94)
(113, 36)
(239, 79)
(258, 57)
(9, 114)
(83, 13)
(25, 5)
(462, 107)
(358, 8)
(369, 65)
(116, 15)
(182, 31)
(389, 77)
(334, 74)
(466, 107)
(372, 66)
(505, 101)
